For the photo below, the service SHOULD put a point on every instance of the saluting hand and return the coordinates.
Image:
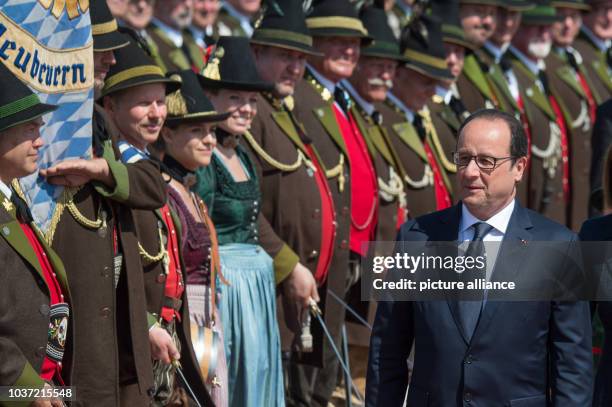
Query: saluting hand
(162, 346)
(78, 172)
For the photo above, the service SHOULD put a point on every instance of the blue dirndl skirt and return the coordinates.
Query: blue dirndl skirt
(248, 312)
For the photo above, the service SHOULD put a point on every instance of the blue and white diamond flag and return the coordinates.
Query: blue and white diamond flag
(48, 45)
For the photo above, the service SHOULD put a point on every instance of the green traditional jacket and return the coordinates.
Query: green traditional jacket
(12, 233)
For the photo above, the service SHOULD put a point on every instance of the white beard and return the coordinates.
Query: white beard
(540, 50)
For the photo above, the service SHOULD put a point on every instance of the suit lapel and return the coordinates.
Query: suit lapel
(449, 117)
(364, 129)
(533, 92)
(378, 141)
(518, 231)
(475, 75)
(600, 66)
(325, 115)
(11, 231)
(407, 133)
(567, 75)
(282, 119)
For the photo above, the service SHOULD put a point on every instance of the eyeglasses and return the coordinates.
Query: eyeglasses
(484, 162)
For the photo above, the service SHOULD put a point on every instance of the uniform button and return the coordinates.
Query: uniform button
(105, 312)
(151, 391)
(345, 211)
(255, 203)
(106, 271)
(44, 309)
(313, 255)
(256, 238)
(344, 244)
(161, 278)
(252, 217)
(316, 214)
(467, 397)
(41, 351)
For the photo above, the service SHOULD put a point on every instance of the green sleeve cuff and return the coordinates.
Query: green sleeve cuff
(151, 320)
(121, 191)
(284, 263)
(29, 378)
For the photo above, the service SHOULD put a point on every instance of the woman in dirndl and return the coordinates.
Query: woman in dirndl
(187, 143)
(230, 187)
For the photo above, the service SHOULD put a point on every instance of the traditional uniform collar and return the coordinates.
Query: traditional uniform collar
(198, 36)
(327, 84)
(407, 112)
(245, 21)
(603, 45)
(534, 67)
(6, 190)
(364, 104)
(495, 51)
(173, 34)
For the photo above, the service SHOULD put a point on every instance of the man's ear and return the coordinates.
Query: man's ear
(109, 104)
(520, 165)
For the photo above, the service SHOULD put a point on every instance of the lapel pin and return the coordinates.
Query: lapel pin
(320, 112)
(6, 231)
(529, 92)
(524, 242)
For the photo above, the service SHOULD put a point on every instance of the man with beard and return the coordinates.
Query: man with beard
(324, 109)
(203, 28)
(95, 237)
(369, 84)
(548, 171)
(173, 50)
(409, 124)
(570, 85)
(237, 17)
(447, 108)
(476, 84)
(594, 45)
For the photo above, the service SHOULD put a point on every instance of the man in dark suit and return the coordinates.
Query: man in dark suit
(601, 140)
(499, 353)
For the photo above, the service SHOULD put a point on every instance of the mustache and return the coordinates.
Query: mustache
(380, 82)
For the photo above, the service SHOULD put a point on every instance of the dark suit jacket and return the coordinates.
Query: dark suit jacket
(601, 139)
(506, 362)
(600, 229)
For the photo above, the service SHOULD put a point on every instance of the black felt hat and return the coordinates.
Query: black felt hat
(18, 104)
(452, 31)
(542, 14)
(421, 44)
(189, 103)
(575, 4)
(336, 18)
(104, 28)
(284, 25)
(385, 45)
(135, 67)
(232, 66)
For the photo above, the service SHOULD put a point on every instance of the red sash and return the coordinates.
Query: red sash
(174, 280)
(328, 219)
(50, 369)
(364, 186)
(443, 200)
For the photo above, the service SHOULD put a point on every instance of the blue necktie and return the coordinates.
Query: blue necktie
(469, 311)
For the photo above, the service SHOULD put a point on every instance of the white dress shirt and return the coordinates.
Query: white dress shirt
(245, 21)
(499, 221)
